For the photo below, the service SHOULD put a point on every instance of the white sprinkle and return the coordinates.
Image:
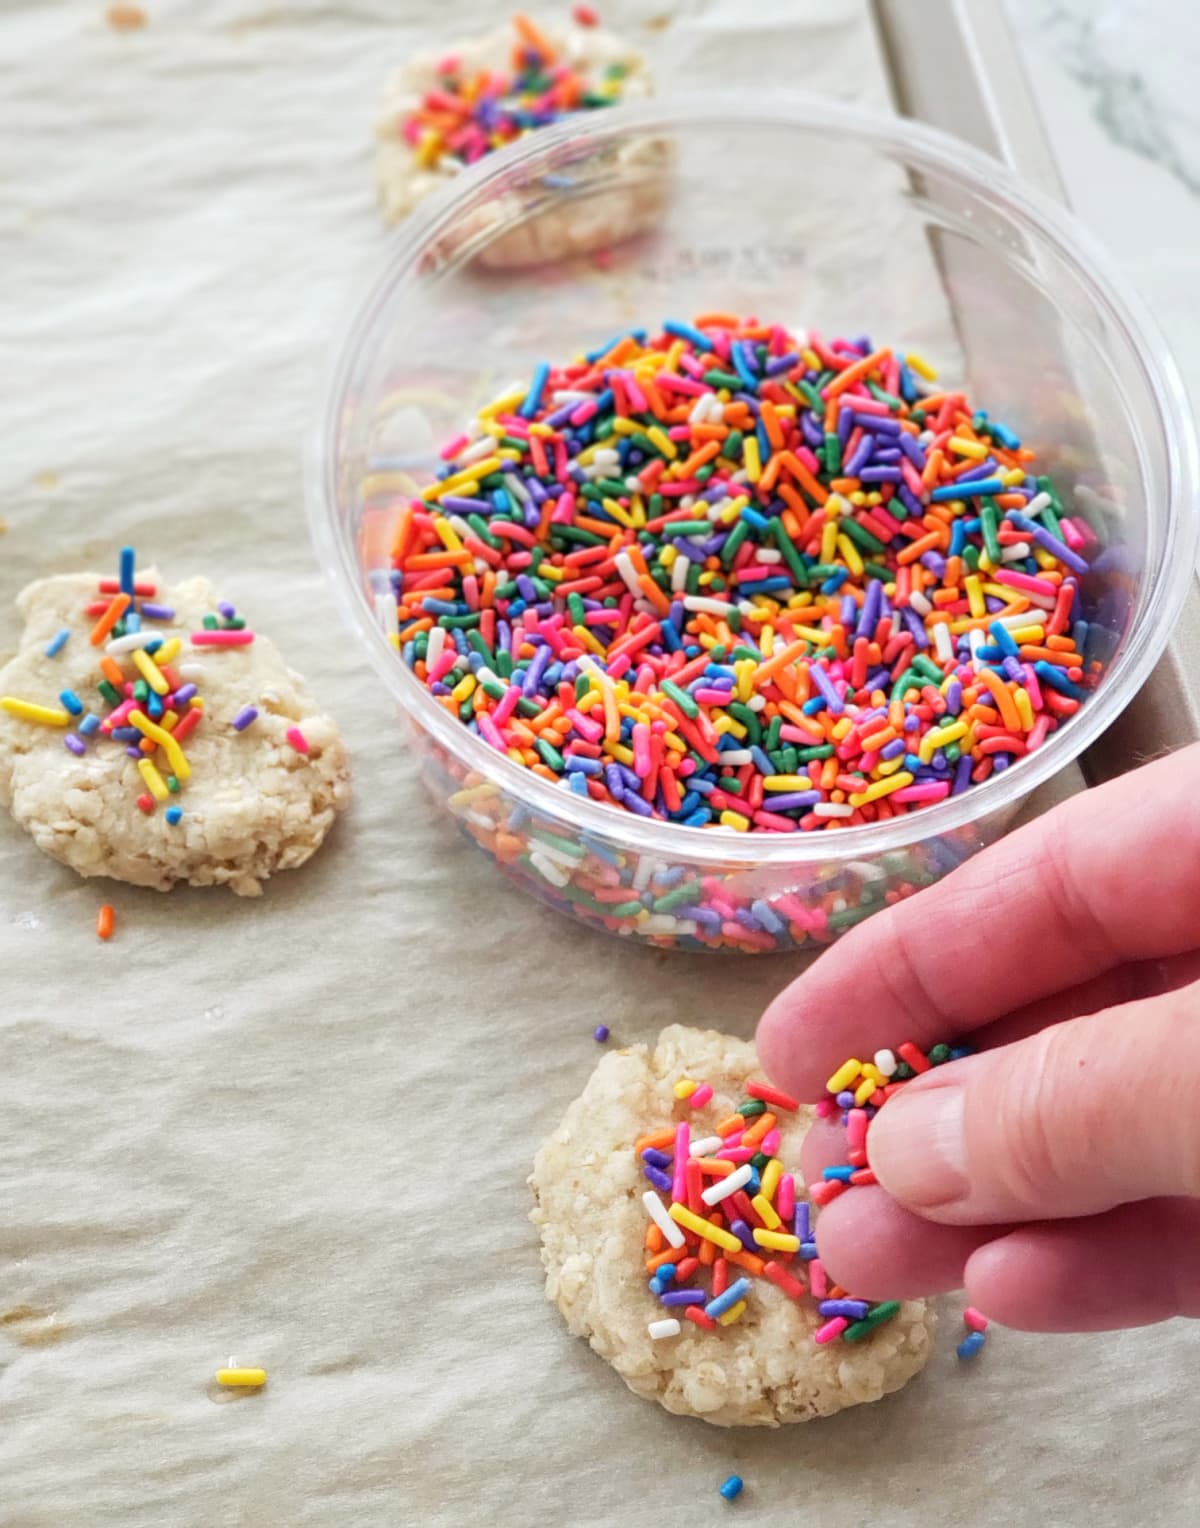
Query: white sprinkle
(546, 870)
(654, 1208)
(437, 641)
(757, 702)
(476, 453)
(385, 612)
(628, 572)
(460, 525)
(517, 488)
(919, 603)
(886, 1062)
(943, 643)
(135, 639)
(767, 555)
(723, 1187)
(699, 601)
(975, 640)
(197, 670)
(1014, 553)
(706, 1147)
(832, 809)
(664, 923)
(648, 866)
(668, 1327)
(737, 756)
(679, 573)
(1039, 502)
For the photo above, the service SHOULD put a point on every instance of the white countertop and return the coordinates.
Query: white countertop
(1115, 83)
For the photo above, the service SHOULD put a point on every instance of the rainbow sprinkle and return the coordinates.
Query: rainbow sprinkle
(730, 577)
(468, 114)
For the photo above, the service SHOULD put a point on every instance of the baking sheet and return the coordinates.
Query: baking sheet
(296, 1131)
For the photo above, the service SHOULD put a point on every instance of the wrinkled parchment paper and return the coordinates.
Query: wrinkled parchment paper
(295, 1132)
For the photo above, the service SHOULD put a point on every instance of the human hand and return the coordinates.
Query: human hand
(1057, 1172)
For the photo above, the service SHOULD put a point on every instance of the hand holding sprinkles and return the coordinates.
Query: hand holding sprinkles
(732, 578)
(1050, 1173)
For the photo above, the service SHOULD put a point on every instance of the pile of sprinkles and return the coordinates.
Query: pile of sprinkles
(723, 1211)
(471, 112)
(147, 696)
(730, 577)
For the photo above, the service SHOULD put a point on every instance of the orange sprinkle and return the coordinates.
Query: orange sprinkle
(118, 606)
(105, 919)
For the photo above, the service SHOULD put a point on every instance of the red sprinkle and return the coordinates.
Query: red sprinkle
(297, 739)
(772, 1096)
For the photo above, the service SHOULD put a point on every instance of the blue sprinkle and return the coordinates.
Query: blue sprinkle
(173, 814)
(731, 1488)
(971, 1344)
(57, 642)
(127, 564)
(71, 701)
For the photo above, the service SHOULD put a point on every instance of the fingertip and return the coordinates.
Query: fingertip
(874, 1247)
(824, 1146)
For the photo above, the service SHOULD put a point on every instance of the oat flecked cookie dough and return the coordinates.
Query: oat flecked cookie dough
(428, 130)
(254, 801)
(764, 1369)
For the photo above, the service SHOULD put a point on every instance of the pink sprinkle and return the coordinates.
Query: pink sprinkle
(488, 729)
(736, 1154)
(459, 443)
(818, 1279)
(831, 1329)
(856, 1128)
(683, 1136)
(222, 638)
(701, 1096)
(297, 739)
(826, 1108)
(975, 1319)
(785, 1198)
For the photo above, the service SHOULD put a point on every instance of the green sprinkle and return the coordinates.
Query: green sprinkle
(874, 1317)
(173, 785)
(681, 698)
(751, 1107)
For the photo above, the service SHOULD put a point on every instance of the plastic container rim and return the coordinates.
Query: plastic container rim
(922, 147)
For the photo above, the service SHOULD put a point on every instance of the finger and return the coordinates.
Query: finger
(824, 1146)
(1071, 1121)
(1123, 984)
(1109, 876)
(1134, 1265)
(878, 1250)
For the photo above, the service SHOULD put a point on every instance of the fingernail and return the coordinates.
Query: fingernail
(917, 1150)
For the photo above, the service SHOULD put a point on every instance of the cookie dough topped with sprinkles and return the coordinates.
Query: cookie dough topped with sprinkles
(473, 110)
(731, 577)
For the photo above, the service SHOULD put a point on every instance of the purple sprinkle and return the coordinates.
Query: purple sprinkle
(745, 1235)
(243, 719)
(659, 1179)
(683, 1297)
(74, 744)
(600, 1034)
(801, 1220)
(846, 1100)
(183, 694)
(656, 1158)
(157, 612)
(135, 753)
(853, 1310)
(227, 610)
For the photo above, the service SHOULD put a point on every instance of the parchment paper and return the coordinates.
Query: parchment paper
(296, 1131)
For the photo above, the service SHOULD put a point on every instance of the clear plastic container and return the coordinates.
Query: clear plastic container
(810, 214)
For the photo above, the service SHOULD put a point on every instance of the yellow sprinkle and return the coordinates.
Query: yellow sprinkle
(661, 441)
(1013, 477)
(155, 783)
(588, 639)
(847, 1073)
(765, 1211)
(169, 720)
(49, 716)
(247, 1379)
(1032, 635)
(470, 474)
(850, 556)
(771, 1175)
(180, 767)
(464, 689)
(728, 1317)
(1024, 708)
(972, 448)
(864, 1091)
(938, 737)
(788, 783)
(975, 599)
(921, 366)
(829, 537)
(726, 723)
(150, 671)
(168, 652)
(684, 1217)
(882, 788)
(685, 1087)
(448, 536)
(872, 1071)
(778, 1241)
(734, 820)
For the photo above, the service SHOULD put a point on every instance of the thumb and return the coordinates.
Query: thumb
(1071, 1121)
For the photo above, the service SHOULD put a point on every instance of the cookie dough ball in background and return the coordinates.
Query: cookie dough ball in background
(444, 112)
(266, 772)
(765, 1368)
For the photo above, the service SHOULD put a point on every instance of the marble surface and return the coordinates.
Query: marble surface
(1115, 83)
